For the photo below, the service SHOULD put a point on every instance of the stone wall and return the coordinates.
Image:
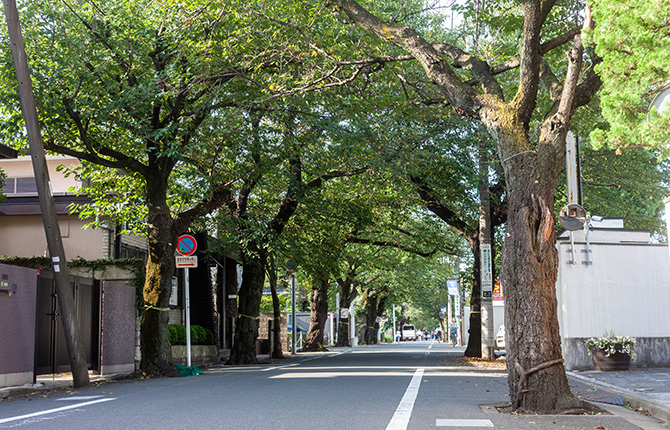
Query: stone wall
(651, 352)
(263, 329)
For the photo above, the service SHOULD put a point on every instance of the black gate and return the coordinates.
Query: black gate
(50, 349)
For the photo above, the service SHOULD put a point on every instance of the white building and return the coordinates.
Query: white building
(612, 279)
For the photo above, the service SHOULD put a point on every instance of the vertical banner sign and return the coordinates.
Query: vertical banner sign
(452, 286)
(487, 271)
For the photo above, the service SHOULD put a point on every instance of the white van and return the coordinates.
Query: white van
(408, 332)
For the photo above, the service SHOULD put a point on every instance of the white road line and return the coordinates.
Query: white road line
(53, 411)
(279, 367)
(77, 398)
(402, 414)
(463, 423)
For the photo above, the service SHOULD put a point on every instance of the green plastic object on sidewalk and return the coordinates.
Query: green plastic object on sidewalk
(188, 370)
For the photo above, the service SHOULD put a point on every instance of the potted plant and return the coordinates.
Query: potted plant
(611, 352)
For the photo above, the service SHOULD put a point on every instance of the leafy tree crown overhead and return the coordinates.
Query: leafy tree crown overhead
(633, 39)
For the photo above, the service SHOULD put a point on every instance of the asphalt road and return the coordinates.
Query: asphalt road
(411, 385)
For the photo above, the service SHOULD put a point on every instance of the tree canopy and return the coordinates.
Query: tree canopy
(633, 40)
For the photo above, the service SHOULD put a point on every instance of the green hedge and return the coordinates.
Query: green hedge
(199, 335)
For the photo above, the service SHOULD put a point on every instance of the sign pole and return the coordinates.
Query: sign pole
(187, 305)
(186, 246)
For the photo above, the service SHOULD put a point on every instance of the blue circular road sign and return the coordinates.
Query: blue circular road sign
(186, 244)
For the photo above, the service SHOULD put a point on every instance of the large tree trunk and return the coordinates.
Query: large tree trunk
(537, 379)
(156, 348)
(373, 309)
(369, 331)
(251, 291)
(277, 350)
(318, 301)
(347, 296)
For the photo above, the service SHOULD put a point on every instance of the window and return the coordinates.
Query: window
(20, 186)
(8, 188)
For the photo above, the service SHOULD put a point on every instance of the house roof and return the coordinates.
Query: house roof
(30, 205)
(7, 152)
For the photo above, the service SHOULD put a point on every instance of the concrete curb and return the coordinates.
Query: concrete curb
(635, 400)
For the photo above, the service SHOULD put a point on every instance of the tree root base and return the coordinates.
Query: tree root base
(582, 408)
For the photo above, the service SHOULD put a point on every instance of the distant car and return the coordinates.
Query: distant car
(500, 337)
(408, 332)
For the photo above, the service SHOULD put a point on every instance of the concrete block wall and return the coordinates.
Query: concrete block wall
(118, 328)
(17, 325)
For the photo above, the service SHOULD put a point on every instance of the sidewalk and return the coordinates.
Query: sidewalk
(52, 382)
(646, 388)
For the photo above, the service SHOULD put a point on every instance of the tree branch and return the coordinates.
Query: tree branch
(530, 59)
(460, 95)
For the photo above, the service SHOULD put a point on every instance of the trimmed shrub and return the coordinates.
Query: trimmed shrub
(177, 334)
(209, 337)
(199, 335)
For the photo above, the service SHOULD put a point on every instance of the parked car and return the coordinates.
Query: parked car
(500, 337)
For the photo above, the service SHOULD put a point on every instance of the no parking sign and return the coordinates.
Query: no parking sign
(186, 244)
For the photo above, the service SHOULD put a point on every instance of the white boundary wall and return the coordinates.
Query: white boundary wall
(626, 289)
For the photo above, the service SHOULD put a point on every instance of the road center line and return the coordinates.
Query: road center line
(53, 411)
(400, 419)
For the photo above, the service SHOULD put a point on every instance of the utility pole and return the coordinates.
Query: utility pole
(486, 256)
(75, 348)
(295, 327)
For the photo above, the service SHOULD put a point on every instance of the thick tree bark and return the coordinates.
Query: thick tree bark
(251, 291)
(318, 301)
(156, 348)
(374, 308)
(529, 267)
(277, 350)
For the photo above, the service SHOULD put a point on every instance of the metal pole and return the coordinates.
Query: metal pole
(187, 305)
(73, 342)
(486, 258)
(353, 340)
(394, 332)
(295, 328)
(337, 329)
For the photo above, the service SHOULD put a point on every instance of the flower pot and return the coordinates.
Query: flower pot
(617, 361)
